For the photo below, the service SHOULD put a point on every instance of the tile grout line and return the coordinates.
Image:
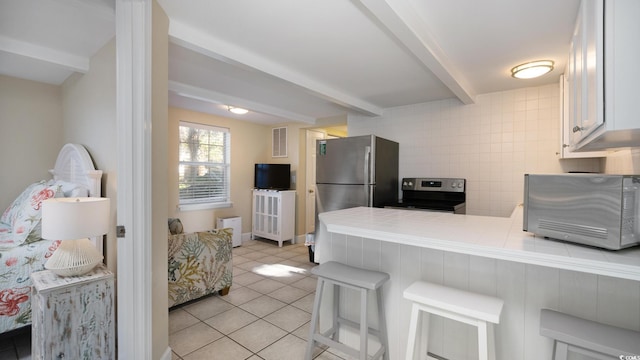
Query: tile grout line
(254, 258)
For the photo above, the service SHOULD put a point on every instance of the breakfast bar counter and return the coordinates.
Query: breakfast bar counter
(489, 255)
(492, 237)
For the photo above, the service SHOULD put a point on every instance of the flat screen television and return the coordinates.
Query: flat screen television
(272, 176)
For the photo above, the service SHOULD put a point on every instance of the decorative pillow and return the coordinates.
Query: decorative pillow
(6, 237)
(27, 224)
(175, 226)
(70, 189)
(9, 215)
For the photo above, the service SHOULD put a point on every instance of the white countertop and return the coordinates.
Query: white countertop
(492, 237)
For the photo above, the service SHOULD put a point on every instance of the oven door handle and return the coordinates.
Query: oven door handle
(367, 188)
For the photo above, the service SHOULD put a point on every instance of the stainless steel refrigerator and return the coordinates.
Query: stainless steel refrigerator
(355, 171)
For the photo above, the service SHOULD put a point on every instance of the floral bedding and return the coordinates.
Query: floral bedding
(16, 266)
(199, 264)
(23, 251)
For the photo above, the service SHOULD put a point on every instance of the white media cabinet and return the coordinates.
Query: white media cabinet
(274, 215)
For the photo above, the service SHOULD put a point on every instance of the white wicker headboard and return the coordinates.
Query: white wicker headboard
(74, 165)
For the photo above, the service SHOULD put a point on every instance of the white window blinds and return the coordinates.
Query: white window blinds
(204, 165)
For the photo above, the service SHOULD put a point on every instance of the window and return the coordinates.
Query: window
(204, 166)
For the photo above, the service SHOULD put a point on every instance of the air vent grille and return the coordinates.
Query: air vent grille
(279, 144)
(582, 230)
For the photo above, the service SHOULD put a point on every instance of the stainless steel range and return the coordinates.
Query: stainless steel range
(433, 194)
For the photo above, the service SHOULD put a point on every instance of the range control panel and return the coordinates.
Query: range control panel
(434, 184)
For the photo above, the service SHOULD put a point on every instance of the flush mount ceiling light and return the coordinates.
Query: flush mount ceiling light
(532, 69)
(237, 110)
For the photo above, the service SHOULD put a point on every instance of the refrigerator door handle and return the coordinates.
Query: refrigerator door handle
(367, 188)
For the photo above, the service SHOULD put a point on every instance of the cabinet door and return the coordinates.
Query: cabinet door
(593, 69)
(566, 124)
(575, 81)
(258, 212)
(97, 314)
(266, 214)
(274, 211)
(78, 322)
(585, 78)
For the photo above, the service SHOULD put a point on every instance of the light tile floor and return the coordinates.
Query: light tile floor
(265, 315)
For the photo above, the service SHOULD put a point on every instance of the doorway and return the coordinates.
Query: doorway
(310, 186)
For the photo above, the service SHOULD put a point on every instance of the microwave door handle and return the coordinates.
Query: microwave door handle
(367, 155)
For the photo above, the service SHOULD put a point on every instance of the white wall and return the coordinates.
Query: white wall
(491, 143)
(89, 103)
(249, 145)
(625, 162)
(30, 134)
(160, 183)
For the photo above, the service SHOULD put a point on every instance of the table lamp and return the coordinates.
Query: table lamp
(74, 220)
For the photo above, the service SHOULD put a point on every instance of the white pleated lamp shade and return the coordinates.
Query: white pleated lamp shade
(73, 220)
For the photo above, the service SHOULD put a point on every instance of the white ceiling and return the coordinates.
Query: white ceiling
(301, 60)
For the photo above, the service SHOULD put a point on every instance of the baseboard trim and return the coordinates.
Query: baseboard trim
(167, 354)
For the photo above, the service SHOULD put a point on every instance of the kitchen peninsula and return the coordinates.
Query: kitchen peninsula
(488, 255)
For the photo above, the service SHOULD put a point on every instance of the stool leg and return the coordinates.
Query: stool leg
(423, 335)
(384, 340)
(364, 326)
(314, 320)
(413, 332)
(561, 351)
(492, 341)
(482, 340)
(418, 333)
(336, 312)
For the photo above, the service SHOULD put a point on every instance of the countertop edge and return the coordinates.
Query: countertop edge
(622, 271)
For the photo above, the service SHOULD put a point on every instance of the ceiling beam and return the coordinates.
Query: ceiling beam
(60, 58)
(193, 39)
(405, 24)
(215, 97)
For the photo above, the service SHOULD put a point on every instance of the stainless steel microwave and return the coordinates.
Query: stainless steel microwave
(592, 209)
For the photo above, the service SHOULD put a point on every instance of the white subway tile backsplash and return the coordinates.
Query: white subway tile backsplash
(491, 143)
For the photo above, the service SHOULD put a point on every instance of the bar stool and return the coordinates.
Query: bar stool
(341, 275)
(574, 334)
(470, 308)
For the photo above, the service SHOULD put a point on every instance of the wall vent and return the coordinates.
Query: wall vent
(279, 143)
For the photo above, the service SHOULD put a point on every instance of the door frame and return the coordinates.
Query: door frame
(133, 112)
(310, 169)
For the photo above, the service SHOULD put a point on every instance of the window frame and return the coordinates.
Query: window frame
(207, 203)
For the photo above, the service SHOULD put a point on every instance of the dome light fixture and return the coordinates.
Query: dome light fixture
(237, 110)
(532, 69)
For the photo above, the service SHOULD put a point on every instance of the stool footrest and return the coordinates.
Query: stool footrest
(356, 326)
(320, 338)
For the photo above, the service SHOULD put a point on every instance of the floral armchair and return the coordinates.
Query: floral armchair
(199, 264)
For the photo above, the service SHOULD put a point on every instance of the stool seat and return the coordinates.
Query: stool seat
(363, 281)
(470, 308)
(570, 332)
(350, 275)
(474, 305)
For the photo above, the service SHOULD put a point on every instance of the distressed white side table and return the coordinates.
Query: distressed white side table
(73, 317)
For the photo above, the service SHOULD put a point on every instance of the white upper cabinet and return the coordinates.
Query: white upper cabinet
(567, 122)
(602, 76)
